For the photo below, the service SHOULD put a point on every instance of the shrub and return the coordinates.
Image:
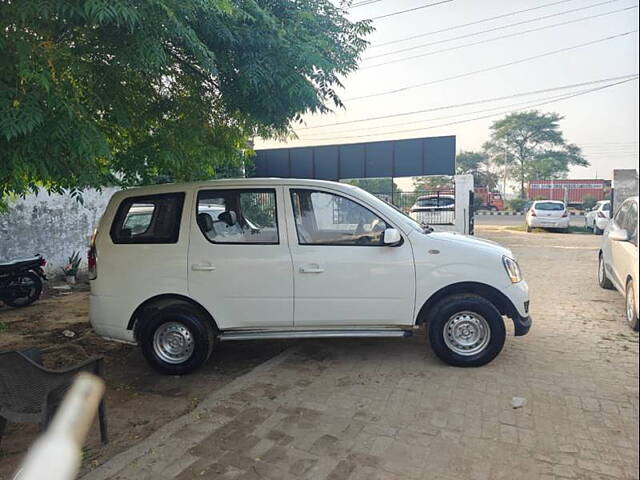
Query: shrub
(588, 202)
(516, 204)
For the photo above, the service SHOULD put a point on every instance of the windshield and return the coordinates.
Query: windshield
(549, 206)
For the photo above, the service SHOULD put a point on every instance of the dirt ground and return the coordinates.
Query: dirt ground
(138, 399)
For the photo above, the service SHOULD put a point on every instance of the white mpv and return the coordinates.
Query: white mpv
(177, 268)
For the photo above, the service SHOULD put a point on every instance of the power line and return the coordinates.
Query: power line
(366, 2)
(501, 37)
(475, 102)
(392, 14)
(502, 27)
(484, 110)
(495, 67)
(455, 27)
(566, 97)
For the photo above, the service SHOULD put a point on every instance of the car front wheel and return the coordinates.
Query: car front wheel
(630, 301)
(466, 330)
(177, 340)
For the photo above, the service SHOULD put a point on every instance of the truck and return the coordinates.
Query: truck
(570, 191)
(490, 200)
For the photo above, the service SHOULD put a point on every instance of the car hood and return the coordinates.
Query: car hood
(471, 242)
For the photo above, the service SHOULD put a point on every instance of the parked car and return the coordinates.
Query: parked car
(597, 218)
(548, 214)
(618, 257)
(434, 209)
(360, 267)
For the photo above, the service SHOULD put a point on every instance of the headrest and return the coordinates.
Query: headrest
(230, 218)
(205, 222)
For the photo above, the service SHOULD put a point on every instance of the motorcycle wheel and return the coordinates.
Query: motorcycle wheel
(31, 281)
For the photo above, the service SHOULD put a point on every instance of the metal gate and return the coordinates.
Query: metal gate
(472, 212)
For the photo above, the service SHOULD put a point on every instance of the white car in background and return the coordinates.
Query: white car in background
(548, 214)
(598, 217)
(618, 258)
(434, 209)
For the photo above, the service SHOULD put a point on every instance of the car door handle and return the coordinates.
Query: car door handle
(312, 268)
(199, 267)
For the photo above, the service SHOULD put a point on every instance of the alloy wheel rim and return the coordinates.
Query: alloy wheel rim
(631, 309)
(173, 343)
(467, 333)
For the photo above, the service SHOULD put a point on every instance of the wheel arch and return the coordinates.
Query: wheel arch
(492, 294)
(158, 302)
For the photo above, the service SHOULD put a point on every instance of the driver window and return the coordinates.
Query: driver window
(326, 219)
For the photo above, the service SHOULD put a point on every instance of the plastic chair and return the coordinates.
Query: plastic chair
(31, 393)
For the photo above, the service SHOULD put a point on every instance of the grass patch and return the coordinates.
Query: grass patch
(523, 228)
(3, 326)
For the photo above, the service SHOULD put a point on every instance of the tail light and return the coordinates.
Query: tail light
(92, 258)
(565, 214)
(533, 213)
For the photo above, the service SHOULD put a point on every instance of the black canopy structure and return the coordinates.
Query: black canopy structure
(393, 158)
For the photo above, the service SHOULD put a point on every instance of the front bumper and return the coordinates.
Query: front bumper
(521, 325)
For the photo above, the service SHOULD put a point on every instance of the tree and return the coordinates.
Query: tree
(533, 145)
(376, 185)
(433, 182)
(94, 92)
(476, 164)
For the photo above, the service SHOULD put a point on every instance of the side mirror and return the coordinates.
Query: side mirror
(391, 237)
(619, 235)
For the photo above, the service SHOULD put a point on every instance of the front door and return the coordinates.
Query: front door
(239, 263)
(343, 274)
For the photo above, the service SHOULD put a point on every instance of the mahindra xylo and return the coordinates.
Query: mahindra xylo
(177, 268)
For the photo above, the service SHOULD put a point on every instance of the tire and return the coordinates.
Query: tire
(177, 340)
(630, 306)
(528, 228)
(603, 280)
(461, 309)
(34, 292)
(596, 230)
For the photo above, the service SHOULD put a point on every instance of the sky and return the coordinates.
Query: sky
(603, 122)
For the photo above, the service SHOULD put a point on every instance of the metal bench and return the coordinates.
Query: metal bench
(31, 393)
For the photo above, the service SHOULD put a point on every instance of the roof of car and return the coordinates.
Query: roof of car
(232, 182)
(549, 201)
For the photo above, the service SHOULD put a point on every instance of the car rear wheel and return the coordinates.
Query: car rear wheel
(603, 280)
(466, 330)
(596, 230)
(177, 340)
(630, 310)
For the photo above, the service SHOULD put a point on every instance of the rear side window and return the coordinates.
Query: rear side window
(148, 219)
(606, 207)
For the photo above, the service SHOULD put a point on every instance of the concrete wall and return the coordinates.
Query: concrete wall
(625, 185)
(53, 225)
(464, 187)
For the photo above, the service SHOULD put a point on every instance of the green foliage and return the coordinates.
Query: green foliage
(516, 204)
(434, 182)
(588, 202)
(98, 92)
(532, 146)
(73, 264)
(375, 185)
(476, 164)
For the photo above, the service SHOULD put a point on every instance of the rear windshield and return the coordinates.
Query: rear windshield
(606, 207)
(552, 206)
(434, 202)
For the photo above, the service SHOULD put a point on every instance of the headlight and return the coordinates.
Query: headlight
(512, 268)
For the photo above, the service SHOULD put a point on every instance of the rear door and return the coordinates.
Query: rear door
(240, 267)
(343, 274)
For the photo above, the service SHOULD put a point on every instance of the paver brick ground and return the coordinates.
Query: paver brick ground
(389, 409)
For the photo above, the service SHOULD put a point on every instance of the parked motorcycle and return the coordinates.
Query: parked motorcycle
(21, 281)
